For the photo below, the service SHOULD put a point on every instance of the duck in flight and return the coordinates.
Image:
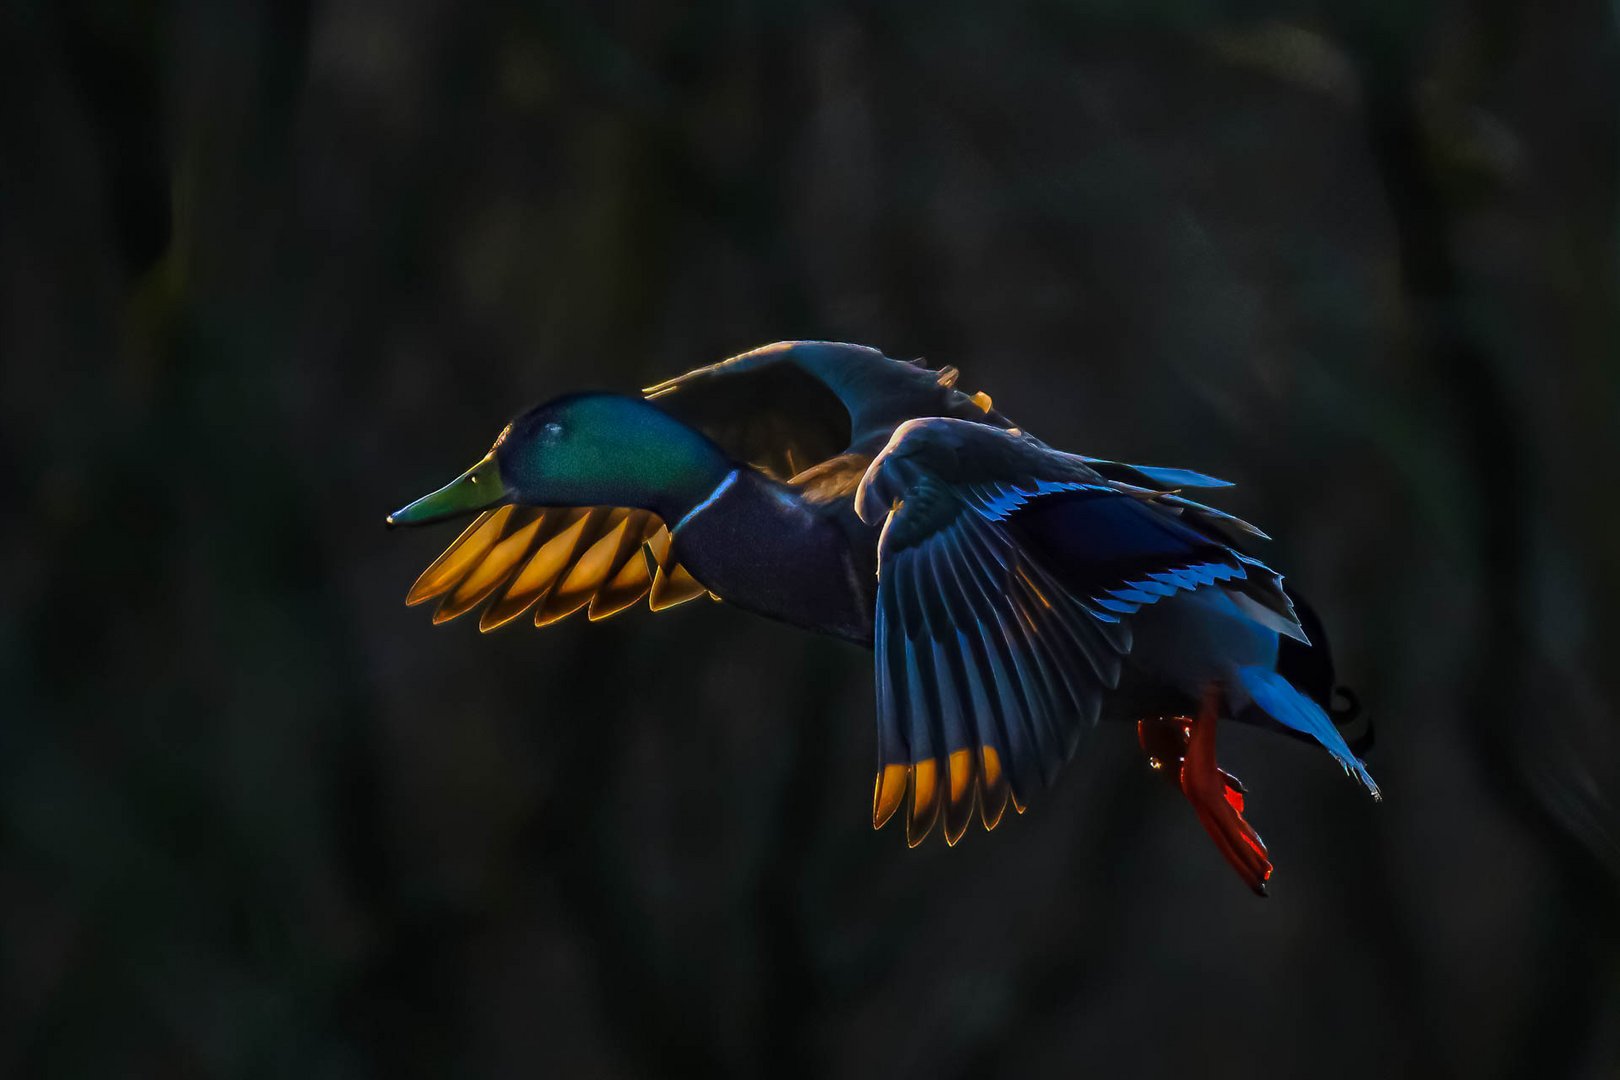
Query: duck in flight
(1013, 594)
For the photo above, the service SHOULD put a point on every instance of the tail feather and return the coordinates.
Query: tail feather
(1278, 698)
(1310, 669)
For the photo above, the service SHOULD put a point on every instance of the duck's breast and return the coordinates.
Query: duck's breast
(761, 546)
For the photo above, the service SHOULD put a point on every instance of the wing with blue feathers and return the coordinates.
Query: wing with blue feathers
(988, 669)
(1122, 548)
(1006, 573)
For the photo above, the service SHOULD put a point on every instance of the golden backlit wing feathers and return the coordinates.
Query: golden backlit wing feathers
(553, 562)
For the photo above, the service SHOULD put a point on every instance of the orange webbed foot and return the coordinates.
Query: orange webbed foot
(1184, 751)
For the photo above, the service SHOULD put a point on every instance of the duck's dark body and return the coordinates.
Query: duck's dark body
(761, 546)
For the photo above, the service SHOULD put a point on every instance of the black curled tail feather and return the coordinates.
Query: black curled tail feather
(1345, 712)
(1310, 669)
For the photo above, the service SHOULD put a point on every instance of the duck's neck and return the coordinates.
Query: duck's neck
(668, 468)
(713, 496)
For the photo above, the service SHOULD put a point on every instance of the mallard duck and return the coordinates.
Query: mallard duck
(1013, 594)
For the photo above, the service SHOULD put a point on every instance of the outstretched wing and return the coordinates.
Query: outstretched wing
(787, 407)
(1005, 571)
(554, 562)
(987, 668)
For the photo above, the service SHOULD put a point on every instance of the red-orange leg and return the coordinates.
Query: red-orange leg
(1222, 815)
(1182, 749)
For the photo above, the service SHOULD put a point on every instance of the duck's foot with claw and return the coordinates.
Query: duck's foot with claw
(1182, 749)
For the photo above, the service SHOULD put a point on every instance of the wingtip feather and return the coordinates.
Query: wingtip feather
(924, 810)
(888, 791)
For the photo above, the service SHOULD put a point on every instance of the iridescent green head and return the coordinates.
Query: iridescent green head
(584, 450)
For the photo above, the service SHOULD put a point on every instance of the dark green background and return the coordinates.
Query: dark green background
(267, 270)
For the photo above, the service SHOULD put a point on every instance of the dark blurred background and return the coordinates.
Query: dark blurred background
(268, 270)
